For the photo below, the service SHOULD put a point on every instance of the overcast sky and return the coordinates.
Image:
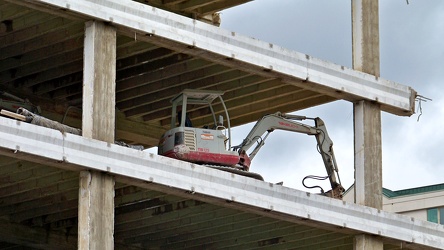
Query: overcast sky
(412, 54)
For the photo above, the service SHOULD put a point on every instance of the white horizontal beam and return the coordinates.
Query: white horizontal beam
(76, 152)
(213, 43)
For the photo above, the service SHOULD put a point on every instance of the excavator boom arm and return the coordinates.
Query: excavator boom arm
(270, 122)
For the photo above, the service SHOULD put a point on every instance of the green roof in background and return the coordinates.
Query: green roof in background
(411, 191)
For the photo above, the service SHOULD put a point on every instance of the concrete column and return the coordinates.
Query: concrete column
(365, 36)
(99, 82)
(367, 242)
(96, 193)
(96, 211)
(368, 154)
(367, 116)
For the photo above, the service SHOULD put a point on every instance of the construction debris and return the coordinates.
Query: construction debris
(27, 116)
(45, 122)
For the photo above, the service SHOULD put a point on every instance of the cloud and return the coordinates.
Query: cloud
(411, 53)
(414, 149)
(291, 24)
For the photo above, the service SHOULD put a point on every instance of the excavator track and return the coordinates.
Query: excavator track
(237, 171)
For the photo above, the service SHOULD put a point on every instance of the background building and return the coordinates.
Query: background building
(424, 203)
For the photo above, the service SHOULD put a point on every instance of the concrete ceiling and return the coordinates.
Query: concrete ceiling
(41, 59)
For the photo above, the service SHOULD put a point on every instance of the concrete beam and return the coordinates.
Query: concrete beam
(96, 189)
(39, 144)
(212, 43)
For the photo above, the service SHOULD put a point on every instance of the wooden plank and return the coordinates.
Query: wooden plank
(243, 91)
(44, 40)
(21, 181)
(46, 64)
(35, 55)
(41, 197)
(12, 11)
(34, 237)
(168, 88)
(148, 85)
(13, 115)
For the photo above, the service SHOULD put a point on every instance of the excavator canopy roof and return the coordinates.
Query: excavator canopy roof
(197, 96)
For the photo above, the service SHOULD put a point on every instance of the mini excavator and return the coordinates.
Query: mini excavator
(211, 144)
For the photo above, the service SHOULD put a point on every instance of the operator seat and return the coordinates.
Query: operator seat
(188, 122)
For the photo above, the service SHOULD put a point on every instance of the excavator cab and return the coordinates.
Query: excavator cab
(207, 145)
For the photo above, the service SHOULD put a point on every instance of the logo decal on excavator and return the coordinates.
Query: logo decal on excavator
(207, 137)
(288, 124)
